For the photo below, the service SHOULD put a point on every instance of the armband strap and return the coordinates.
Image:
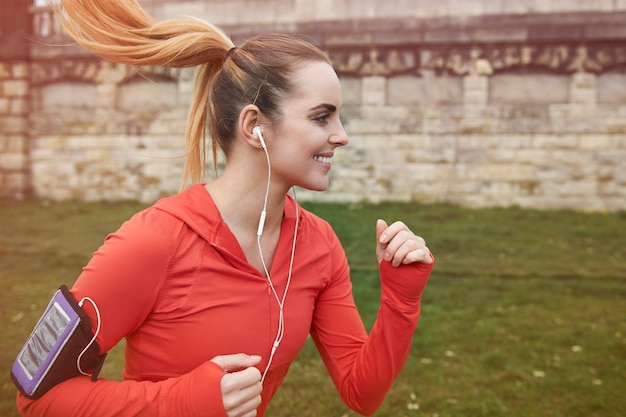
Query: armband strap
(60, 347)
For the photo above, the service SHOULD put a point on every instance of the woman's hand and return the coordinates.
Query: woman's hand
(399, 245)
(241, 386)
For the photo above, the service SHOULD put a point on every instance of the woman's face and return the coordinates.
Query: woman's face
(302, 144)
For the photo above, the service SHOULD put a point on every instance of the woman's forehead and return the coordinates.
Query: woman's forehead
(316, 82)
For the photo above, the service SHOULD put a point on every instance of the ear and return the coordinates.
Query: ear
(249, 117)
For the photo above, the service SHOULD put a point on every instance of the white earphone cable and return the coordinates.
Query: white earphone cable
(93, 339)
(280, 333)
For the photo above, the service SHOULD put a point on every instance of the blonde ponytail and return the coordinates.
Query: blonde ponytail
(121, 31)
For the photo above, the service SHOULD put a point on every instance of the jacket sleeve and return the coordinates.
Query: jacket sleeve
(197, 393)
(364, 367)
(124, 278)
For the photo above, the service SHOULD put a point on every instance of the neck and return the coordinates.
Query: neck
(240, 202)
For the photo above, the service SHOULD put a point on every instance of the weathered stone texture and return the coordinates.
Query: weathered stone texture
(14, 92)
(253, 12)
(474, 102)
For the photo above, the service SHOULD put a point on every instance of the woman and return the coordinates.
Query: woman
(216, 288)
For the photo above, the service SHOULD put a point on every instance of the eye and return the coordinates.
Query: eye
(322, 118)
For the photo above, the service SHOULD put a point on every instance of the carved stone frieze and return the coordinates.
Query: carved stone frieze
(96, 71)
(379, 61)
(479, 60)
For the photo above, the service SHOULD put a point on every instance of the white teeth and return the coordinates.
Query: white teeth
(323, 159)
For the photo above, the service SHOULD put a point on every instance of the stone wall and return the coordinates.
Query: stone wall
(288, 12)
(107, 131)
(476, 103)
(14, 92)
(14, 99)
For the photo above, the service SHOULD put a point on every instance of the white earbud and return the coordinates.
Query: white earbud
(257, 132)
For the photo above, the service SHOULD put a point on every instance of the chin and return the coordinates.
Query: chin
(315, 187)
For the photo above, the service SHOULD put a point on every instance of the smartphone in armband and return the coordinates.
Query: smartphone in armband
(60, 347)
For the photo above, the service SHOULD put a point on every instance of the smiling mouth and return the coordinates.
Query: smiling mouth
(322, 159)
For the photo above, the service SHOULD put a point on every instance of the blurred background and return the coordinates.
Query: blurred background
(473, 102)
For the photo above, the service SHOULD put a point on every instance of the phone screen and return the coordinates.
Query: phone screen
(43, 339)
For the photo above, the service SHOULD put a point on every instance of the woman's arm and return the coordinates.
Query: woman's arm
(364, 367)
(197, 393)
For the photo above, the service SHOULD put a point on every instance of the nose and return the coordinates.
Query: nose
(339, 137)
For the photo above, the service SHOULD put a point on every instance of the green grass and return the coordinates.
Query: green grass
(524, 315)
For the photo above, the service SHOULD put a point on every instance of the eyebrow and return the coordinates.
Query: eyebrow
(331, 108)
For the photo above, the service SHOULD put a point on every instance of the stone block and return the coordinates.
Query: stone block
(5, 105)
(571, 157)
(536, 156)
(20, 70)
(595, 142)
(69, 95)
(501, 155)
(620, 176)
(5, 70)
(515, 140)
(406, 90)
(13, 124)
(19, 106)
(611, 88)
(351, 90)
(583, 96)
(587, 187)
(428, 89)
(12, 144)
(148, 96)
(549, 141)
(528, 89)
(551, 172)
(16, 181)
(410, 141)
(15, 88)
(607, 156)
(374, 91)
(475, 82)
(618, 141)
(12, 161)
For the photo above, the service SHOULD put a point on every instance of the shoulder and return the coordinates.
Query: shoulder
(316, 228)
(322, 244)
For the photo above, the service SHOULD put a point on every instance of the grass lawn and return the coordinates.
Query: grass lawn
(524, 315)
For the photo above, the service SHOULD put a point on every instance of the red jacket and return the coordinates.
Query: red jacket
(175, 283)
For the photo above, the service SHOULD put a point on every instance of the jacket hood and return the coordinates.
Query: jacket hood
(195, 207)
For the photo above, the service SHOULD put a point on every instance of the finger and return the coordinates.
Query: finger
(392, 230)
(241, 379)
(399, 249)
(244, 402)
(397, 241)
(421, 254)
(406, 248)
(241, 391)
(230, 363)
(381, 239)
